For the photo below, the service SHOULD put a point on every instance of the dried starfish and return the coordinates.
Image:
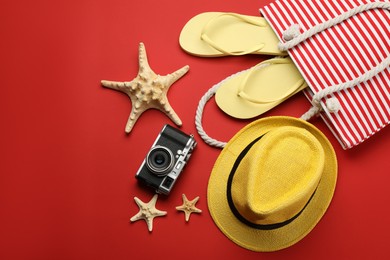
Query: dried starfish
(147, 90)
(189, 207)
(147, 211)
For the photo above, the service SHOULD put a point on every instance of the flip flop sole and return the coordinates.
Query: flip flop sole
(229, 32)
(266, 83)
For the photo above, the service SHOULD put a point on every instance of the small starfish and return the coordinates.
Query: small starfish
(147, 211)
(147, 90)
(189, 207)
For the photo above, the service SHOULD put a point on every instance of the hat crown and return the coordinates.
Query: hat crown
(278, 176)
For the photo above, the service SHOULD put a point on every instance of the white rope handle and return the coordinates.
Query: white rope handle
(198, 119)
(293, 37)
(199, 113)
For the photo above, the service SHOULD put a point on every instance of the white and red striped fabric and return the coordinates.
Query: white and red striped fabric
(340, 54)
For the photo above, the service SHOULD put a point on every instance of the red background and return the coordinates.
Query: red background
(67, 167)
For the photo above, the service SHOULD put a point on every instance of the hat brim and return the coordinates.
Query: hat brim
(275, 239)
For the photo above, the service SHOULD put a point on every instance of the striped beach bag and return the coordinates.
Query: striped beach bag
(342, 49)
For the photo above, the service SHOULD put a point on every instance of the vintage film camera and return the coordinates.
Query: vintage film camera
(166, 159)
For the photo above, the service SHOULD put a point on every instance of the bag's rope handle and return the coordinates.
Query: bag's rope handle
(293, 37)
(198, 119)
(211, 92)
(199, 113)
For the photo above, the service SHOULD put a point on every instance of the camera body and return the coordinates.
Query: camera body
(166, 159)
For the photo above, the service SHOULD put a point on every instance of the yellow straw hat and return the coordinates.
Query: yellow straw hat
(272, 183)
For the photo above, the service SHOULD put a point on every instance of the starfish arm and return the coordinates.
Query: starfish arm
(153, 201)
(139, 215)
(138, 202)
(173, 77)
(152, 205)
(159, 213)
(144, 66)
(193, 207)
(131, 122)
(187, 215)
(149, 222)
(196, 210)
(116, 85)
(194, 201)
(187, 212)
(180, 207)
(136, 112)
(136, 217)
(164, 106)
(168, 110)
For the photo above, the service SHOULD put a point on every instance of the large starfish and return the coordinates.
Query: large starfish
(189, 207)
(147, 90)
(147, 211)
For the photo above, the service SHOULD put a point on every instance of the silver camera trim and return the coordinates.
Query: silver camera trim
(184, 155)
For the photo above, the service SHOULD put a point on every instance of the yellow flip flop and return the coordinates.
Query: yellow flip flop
(260, 88)
(215, 34)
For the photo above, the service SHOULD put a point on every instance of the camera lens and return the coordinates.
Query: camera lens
(159, 160)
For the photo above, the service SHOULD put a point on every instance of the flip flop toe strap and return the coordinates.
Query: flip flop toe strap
(204, 36)
(288, 93)
(292, 90)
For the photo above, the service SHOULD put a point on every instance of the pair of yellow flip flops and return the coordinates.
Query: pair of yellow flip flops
(258, 89)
